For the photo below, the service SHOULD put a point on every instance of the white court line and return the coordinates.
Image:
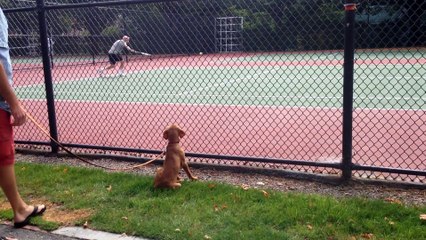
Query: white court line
(223, 95)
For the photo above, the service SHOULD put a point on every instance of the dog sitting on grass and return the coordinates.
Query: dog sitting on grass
(168, 175)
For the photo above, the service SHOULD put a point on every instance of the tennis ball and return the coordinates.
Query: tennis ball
(201, 53)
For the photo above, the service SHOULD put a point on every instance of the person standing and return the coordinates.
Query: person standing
(11, 114)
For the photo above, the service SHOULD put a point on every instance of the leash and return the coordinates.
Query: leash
(38, 125)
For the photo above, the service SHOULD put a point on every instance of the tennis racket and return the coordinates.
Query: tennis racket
(143, 53)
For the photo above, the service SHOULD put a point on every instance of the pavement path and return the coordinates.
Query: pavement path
(66, 233)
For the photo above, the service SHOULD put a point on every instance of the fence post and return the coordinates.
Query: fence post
(47, 73)
(348, 76)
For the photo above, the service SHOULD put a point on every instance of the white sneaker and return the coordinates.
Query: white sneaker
(121, 73)
(100, 72)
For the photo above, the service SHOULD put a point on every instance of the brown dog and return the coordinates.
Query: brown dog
(168, 175)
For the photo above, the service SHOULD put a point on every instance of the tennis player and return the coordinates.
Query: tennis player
(114, 55)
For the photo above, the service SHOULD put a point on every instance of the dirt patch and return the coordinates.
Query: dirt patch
(56, 213)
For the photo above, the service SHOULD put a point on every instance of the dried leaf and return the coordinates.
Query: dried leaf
(109, 188)
(207, 237)
(367, 235)
(177, 230)
(309, 227)
(86, 225)
(265, 193)
(211, 185)
(65, 170)
(245, 186)
(125, 218)
(423, 217)
(393, 200)
(216, 208)
(224, 206)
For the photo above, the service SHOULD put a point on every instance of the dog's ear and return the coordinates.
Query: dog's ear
(166, 134)
(181, 133)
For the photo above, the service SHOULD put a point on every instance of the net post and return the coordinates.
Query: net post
(348, 82)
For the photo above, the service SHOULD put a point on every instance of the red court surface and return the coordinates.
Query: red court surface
(314, 134)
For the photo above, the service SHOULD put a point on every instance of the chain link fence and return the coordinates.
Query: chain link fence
(253, 83)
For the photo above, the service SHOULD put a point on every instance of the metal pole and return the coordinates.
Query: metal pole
(47, 74)
(348, 76)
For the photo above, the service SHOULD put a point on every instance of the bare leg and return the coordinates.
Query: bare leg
(102, 70)
(109, 67)
(122, 65)
(8, 183)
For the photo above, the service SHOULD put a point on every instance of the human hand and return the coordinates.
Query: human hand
(19, 116)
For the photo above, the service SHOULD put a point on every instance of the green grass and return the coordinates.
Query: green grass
(216, 210)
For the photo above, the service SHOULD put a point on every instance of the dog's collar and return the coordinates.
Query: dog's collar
(174, 142)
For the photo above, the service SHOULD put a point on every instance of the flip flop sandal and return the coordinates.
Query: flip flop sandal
(35, 213)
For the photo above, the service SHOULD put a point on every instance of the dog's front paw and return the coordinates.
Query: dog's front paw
(194, 178)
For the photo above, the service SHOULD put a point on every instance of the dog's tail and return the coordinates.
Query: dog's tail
(158, 177)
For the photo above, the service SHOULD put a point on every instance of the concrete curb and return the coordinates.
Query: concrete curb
(65, 233)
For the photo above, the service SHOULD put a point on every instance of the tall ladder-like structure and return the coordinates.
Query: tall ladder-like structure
(228, 34)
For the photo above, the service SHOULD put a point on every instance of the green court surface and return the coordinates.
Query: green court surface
(289, 80)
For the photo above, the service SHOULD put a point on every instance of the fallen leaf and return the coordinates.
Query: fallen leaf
(265, 193)
(216, 208)
(86, 225)
(367, 235)
(224, 206)
(309, 227)
(177, 230)
(124, 218)
(207, 237)
(65, 170)
(423, 217)
(109, 188)
(393, 200)
(245, 186)
(212, 186)
(391, 223)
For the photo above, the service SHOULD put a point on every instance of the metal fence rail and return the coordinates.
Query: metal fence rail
(309, 86)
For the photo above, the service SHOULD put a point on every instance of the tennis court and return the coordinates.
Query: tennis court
(275, 105)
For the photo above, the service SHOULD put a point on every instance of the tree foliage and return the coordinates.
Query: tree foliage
(269, 25)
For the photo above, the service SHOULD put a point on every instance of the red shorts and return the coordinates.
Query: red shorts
(7, 150)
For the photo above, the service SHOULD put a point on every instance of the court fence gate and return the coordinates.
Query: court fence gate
(313, 88)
